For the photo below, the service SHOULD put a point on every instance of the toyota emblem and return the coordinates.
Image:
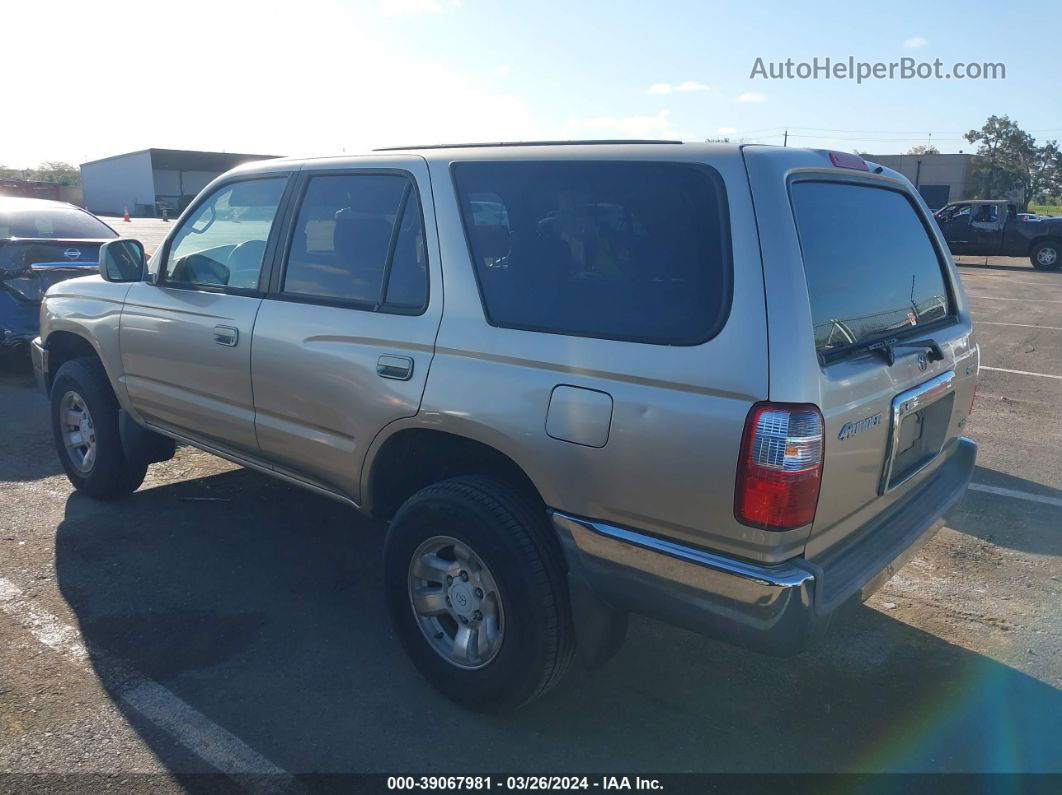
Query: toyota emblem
(923, 361)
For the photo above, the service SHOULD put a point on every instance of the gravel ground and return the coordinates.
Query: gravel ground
(248, 632)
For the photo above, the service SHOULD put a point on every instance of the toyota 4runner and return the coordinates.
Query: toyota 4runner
(723, 386)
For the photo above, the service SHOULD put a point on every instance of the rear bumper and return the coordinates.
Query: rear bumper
(778, 609)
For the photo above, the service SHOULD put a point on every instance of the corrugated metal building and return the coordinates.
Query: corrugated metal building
(144, 182)
(939, 178)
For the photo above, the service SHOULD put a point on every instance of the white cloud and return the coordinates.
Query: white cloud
(914, 42)
(656, 126)
(751, 96)
(727, 130)
(685, 87)
(504, 69)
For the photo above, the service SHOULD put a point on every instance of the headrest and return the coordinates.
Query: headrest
(490, 241)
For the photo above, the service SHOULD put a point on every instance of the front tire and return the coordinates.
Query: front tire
(477, 593)
(1046, 256)
(84, 414)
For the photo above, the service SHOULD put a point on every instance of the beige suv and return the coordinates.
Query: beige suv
(722, 386)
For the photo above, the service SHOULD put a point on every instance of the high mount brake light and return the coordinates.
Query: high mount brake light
(780, 468)
(846, 160)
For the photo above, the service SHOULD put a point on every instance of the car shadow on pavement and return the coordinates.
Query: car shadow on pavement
(1007, 521)
(26, 449)
(263, 610)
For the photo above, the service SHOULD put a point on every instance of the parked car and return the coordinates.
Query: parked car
(42, 242)
(575, 381)
(997, 229)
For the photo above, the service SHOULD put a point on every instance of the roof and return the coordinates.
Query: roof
(188, 159)
(524, 150)
(26, 204)
(590, 142)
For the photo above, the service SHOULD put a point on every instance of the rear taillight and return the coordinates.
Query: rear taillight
(780, 468)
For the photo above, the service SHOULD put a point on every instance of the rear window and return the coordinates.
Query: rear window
(627, 251)
(53, 223)
(871, 267)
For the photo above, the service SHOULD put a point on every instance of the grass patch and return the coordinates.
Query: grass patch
(1046, 209)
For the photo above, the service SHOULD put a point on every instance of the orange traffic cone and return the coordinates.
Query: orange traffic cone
(125, 215)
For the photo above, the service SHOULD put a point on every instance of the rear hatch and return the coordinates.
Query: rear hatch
(28, 267)
(871, 326)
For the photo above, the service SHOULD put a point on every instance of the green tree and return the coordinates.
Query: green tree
(1010, 160)
(57, 171)
(923, 149)
(10, 173)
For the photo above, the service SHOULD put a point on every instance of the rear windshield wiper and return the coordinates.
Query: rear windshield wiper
(885, 348)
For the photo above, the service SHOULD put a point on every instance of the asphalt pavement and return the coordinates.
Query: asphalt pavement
(219, 620)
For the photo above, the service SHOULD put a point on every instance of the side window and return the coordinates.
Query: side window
(359, 238)
(613, 250)
(987, 214)
(223, 242)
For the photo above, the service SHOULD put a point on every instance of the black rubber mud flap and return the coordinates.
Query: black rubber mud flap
(140, 444)
(600, 629)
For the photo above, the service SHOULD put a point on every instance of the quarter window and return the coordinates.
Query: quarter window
(628, 251)
(359, 238)
(223, 243)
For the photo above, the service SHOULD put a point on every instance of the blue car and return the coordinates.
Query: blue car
(41, 242)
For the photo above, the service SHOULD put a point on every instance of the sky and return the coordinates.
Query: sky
(319, 77)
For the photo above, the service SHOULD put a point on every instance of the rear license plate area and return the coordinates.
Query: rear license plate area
(921, 418)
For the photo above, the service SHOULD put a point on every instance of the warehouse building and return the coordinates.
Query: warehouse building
(145, 182)
(939, 178)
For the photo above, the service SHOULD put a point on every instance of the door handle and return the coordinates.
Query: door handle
(226, 335)
(399, 368)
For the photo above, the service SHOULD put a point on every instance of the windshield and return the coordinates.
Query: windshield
(870, 264)
(67, 223)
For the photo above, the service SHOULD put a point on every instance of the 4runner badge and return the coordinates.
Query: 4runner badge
(850, 429)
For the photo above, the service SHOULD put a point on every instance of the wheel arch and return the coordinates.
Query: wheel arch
(1052, 237)
(63, 346)
(415, 456)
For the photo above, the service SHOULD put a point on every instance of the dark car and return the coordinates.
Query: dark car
(41, 242)
(985, 228)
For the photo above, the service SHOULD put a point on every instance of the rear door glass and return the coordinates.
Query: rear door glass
(353, 233)
(614, 250)
(871, 268)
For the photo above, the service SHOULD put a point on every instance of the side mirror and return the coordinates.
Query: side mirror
(122, 260)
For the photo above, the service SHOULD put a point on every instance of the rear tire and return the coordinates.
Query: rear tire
(84, 415)
(515, 579)
(1046, 256)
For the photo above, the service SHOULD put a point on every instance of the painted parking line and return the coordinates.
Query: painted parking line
(1020, 372)
(1023, 300)
(1018, 325)
(1018, 495)
(215, 745)
(1014, 281)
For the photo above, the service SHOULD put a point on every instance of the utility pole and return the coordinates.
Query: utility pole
(785, 140)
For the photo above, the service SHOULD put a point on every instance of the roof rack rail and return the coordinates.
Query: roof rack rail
(594, 142)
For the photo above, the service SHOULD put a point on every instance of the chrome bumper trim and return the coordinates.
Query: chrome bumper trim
(784, 575)
(766, 608)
